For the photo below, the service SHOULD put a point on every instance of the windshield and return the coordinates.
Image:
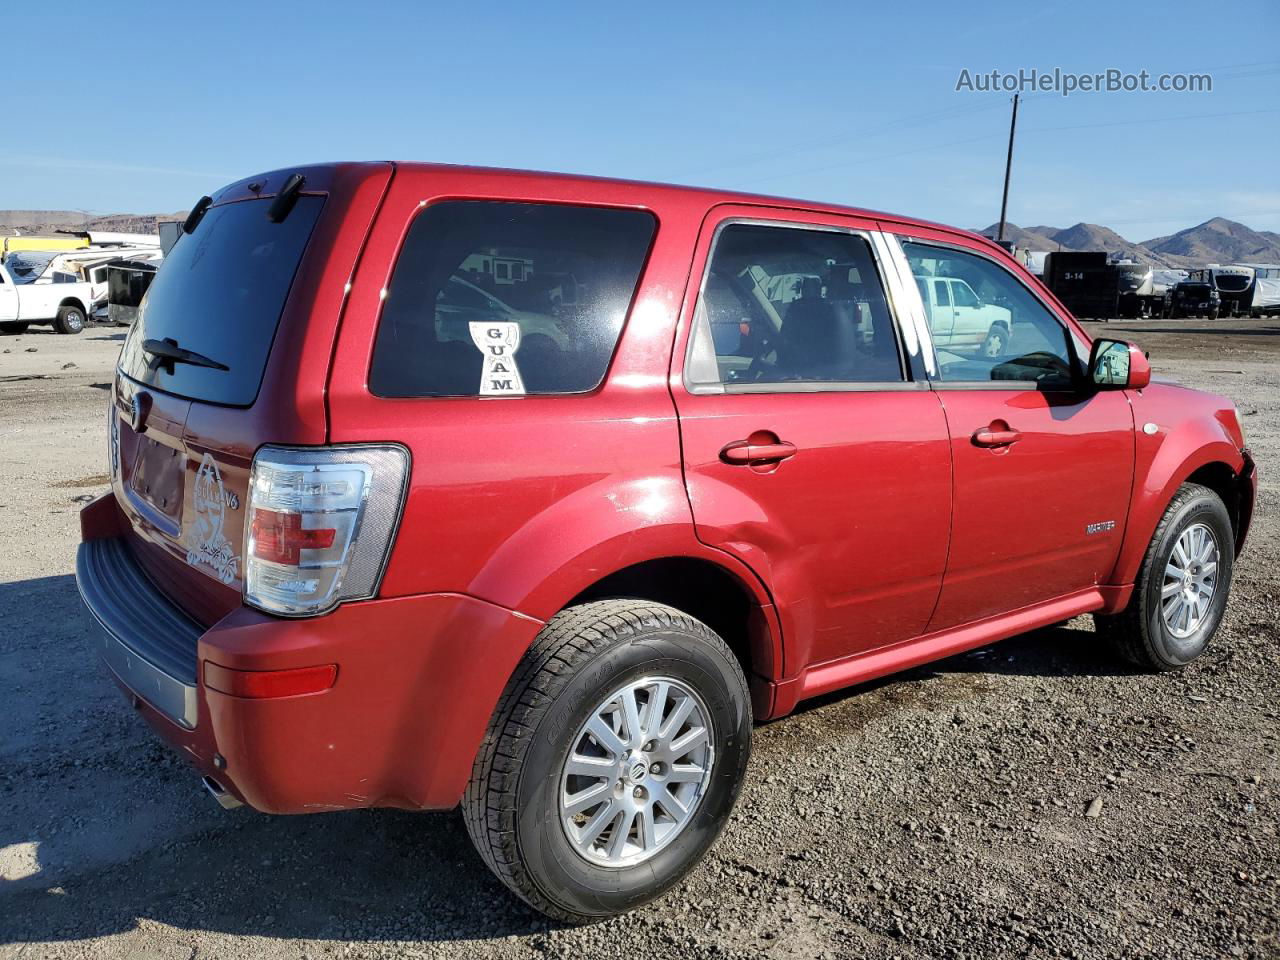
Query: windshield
(25, 267)
(220, 293)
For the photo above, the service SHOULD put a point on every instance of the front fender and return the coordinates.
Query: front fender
(1165, 459)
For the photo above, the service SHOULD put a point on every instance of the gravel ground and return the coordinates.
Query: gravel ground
(1034, 798)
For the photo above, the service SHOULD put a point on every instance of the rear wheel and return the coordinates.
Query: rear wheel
(1182, 588)
(70, 319)
(997, 342)
(14, 327)
(612, 761)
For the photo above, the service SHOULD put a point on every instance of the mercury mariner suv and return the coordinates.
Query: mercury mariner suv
(533, 493)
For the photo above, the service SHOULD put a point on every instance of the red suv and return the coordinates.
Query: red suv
(531, 493)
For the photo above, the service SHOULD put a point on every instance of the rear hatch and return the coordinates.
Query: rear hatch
(230, 350)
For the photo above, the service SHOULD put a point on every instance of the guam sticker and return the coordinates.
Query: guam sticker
(499, 342)
(206, 540)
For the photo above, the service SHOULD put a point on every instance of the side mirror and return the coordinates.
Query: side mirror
(1117, 365)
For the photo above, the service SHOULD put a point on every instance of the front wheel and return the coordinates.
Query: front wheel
(1182, 587)
(70, 320)
(612, 761)
(12, 327)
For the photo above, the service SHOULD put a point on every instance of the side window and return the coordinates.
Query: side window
(1004, 333)
(943, 294)
(964, 294)
(491, 298)
(786, 305)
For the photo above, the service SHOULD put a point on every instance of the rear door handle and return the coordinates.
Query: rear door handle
(746, 452)
(993, 436)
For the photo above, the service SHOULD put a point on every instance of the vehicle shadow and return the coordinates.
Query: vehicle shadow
(1062, 650)
(103, 828)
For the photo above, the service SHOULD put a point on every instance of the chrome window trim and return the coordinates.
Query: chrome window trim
(795, 386)
(912, 306)
(813, 386)
(1076, 370)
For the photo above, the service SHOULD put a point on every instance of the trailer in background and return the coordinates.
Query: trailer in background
(1090, 285)
(1266, 288)
(127, 283)
(1235, 286)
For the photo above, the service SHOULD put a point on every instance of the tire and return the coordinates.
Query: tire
(1213, 314)
(70, 319)
(14, 327)
(997, 341)
(512, 805)
(1142, 633)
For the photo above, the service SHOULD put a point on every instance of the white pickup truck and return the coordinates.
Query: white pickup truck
(65, 305)
(959, 320)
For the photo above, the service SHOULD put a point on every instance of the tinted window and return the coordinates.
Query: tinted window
(782, 305)
(499, 299)
(997, 330)
(220, 294)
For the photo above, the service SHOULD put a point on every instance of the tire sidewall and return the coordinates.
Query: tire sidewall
(1171, 651)
(564, 876)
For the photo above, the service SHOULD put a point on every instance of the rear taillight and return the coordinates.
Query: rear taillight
(320, 525)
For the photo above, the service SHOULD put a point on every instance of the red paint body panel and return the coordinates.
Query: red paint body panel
(417, 680)
(1021, 511)
(887, 540)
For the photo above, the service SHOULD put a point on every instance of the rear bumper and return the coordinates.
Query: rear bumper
(417, 681)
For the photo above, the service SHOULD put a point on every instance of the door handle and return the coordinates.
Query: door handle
(995, 435)
(745, 452)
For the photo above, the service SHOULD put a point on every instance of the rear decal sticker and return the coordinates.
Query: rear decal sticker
(206, 542)
(498, 342)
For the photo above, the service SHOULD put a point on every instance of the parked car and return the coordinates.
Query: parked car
(1195, 298)
(350, 559)
(959, 320)
(65, 305)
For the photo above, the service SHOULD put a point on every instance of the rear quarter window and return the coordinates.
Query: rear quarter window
(493, 298)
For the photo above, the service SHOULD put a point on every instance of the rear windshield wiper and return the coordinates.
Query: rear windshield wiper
(167, 352)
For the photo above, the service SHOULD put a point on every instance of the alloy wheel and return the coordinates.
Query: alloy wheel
(636, 772)
(1190, 580)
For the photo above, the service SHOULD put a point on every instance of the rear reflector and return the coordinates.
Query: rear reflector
(266, 684)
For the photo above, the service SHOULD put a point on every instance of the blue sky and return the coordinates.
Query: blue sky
(848, 102)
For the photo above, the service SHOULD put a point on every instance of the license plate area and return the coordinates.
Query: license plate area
(158, 475)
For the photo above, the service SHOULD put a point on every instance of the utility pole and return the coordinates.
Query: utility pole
(1008, 167)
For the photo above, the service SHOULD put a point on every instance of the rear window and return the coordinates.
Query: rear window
(504, 299)
(220, 294)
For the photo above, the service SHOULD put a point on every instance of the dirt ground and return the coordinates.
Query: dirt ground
(941, 813)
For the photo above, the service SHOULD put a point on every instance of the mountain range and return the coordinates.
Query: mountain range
(51, 221)
(1215, 241)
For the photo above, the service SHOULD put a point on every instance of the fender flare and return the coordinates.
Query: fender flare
(578, 545)
(1168, 470)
